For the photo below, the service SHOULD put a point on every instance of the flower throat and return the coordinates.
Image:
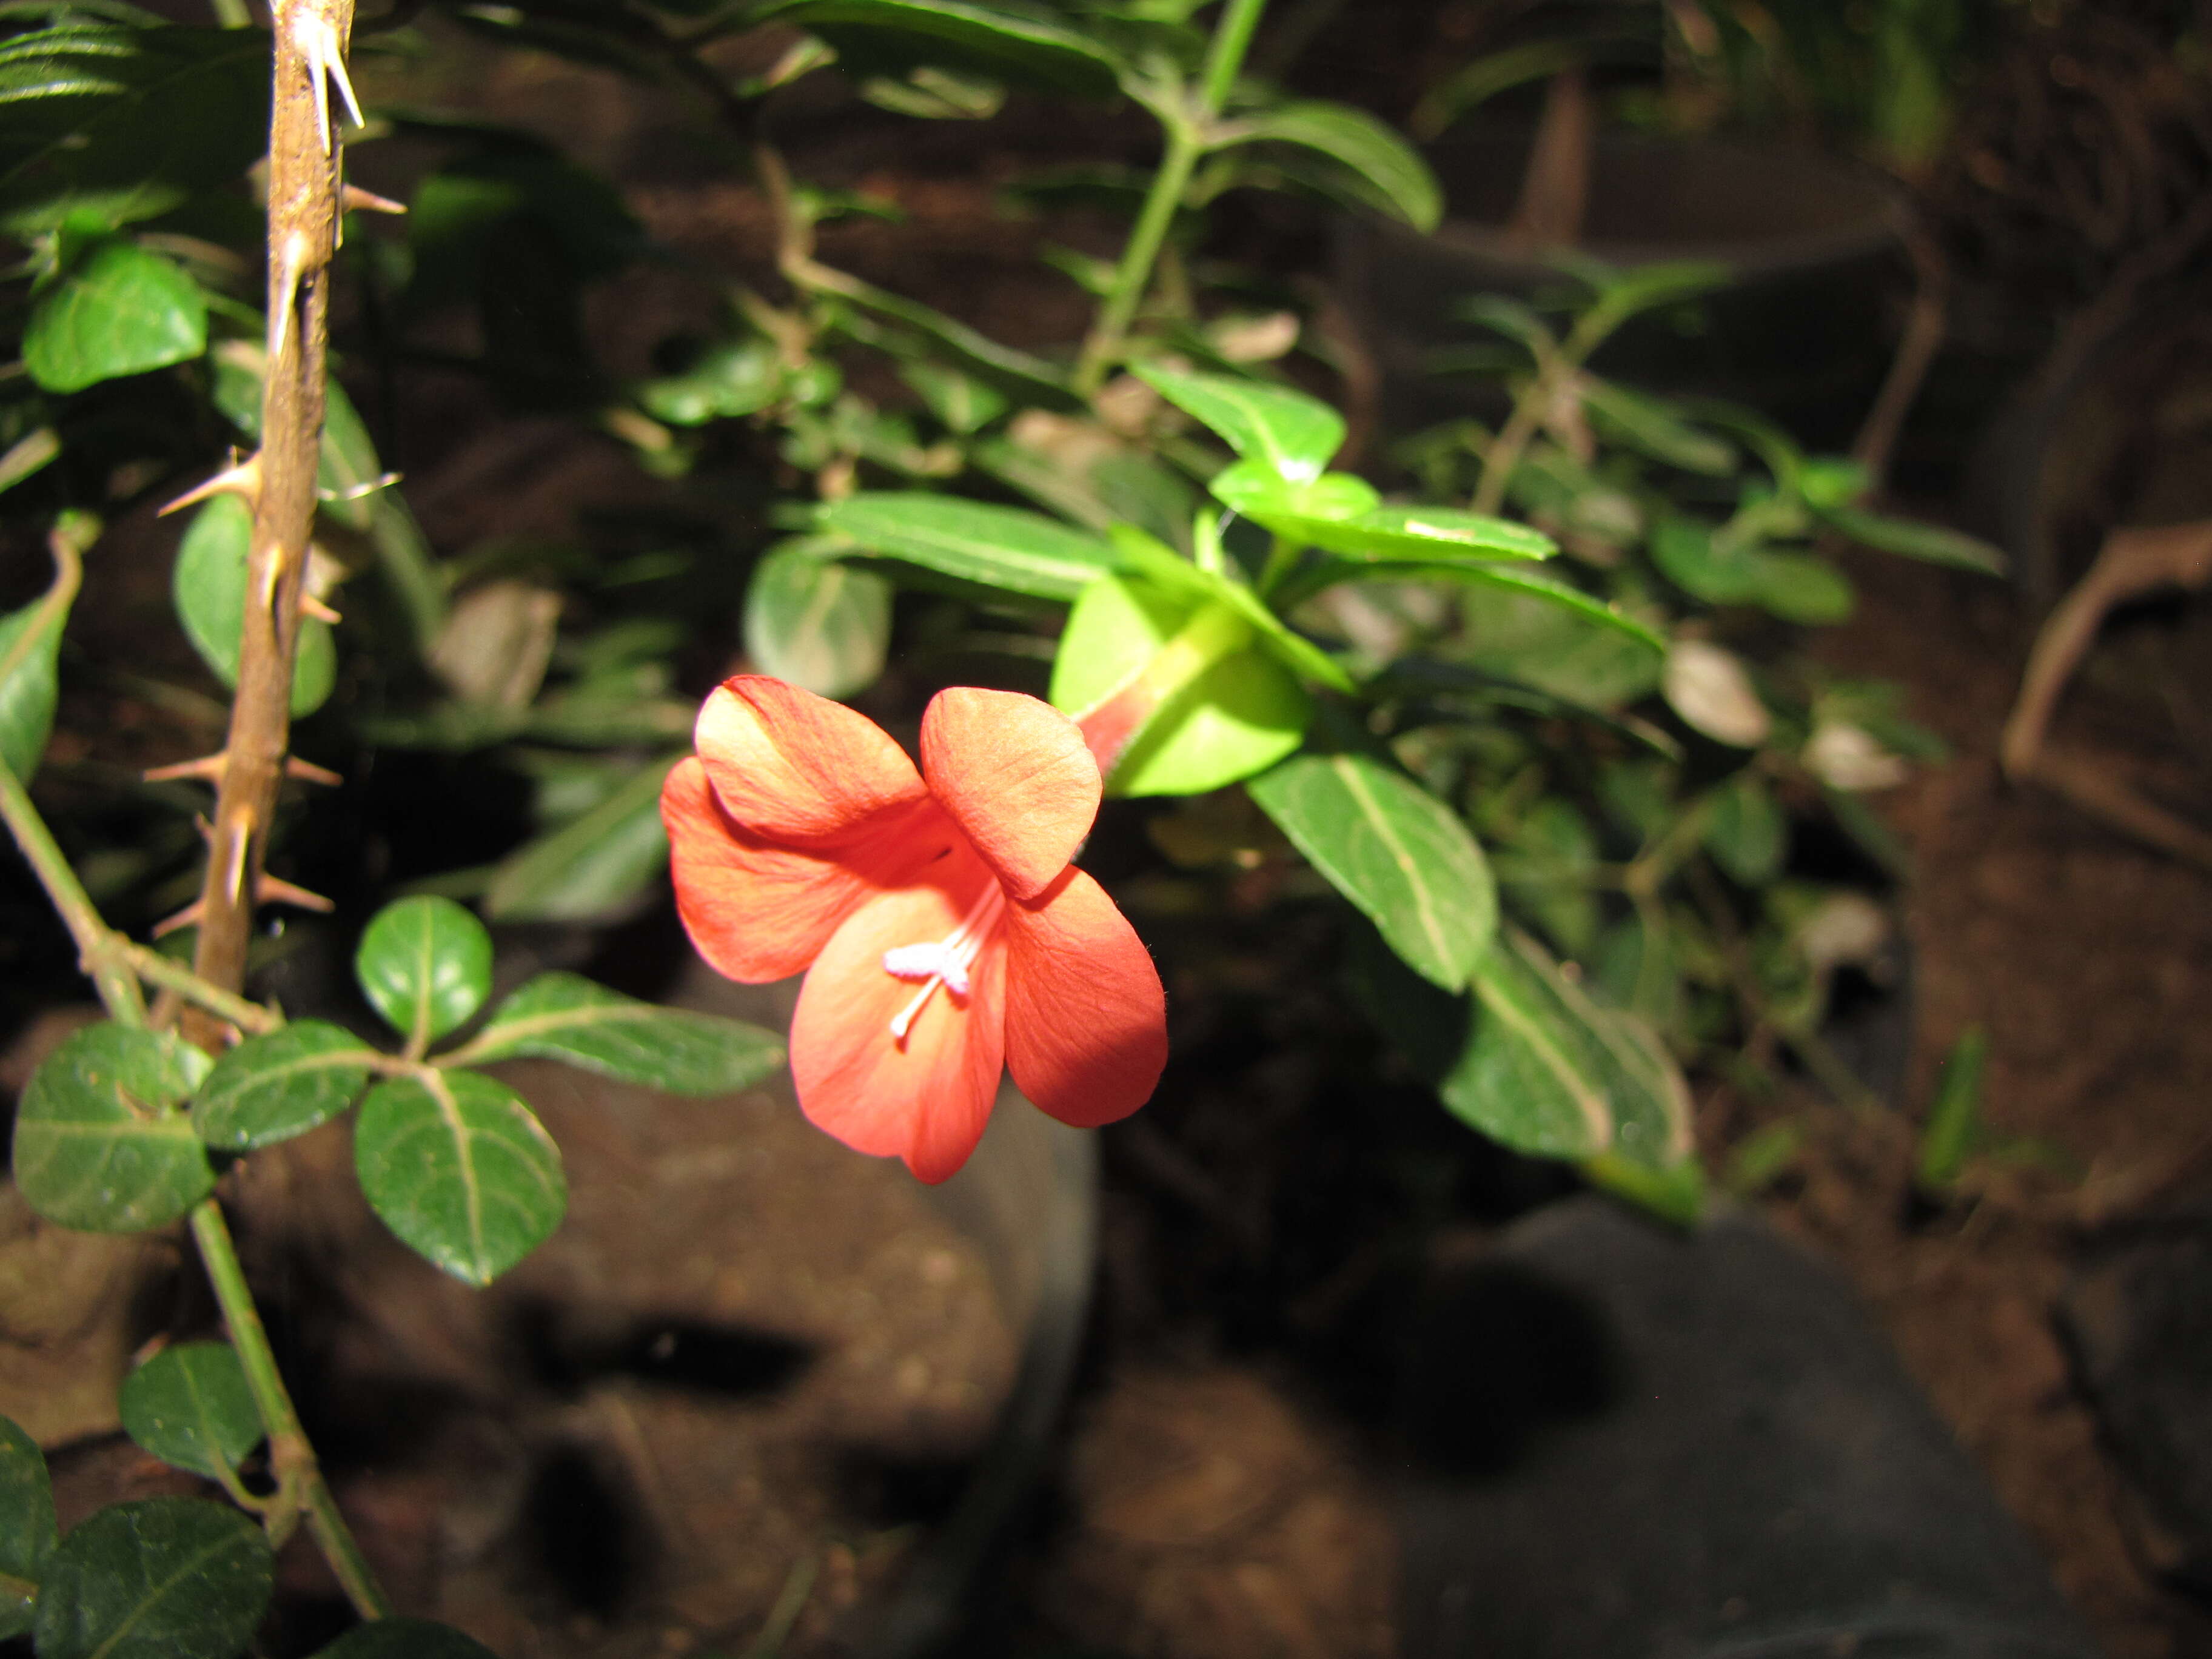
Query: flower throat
(944, 961)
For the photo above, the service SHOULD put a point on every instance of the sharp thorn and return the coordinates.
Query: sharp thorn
(308, 772)
(353, 199)
(207, 769)
(188, 917)
(272, 890)
(241, 478)
(312, 606)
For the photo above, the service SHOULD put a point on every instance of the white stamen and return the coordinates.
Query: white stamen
(945, 961)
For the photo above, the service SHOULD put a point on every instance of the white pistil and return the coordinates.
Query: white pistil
(944, 961)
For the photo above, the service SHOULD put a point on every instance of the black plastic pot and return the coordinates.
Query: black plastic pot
(1802, 334)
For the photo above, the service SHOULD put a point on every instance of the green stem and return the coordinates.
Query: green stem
(289, 1455)
(118, 990)
(1232, 39)
(1188, 128)
(154, 968)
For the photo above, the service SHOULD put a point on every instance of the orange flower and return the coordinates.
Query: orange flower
(943, 930)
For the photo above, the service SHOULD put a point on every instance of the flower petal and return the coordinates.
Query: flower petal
(925, 1099)
(1016, 774)
(760, 912)
(1087, 1020)
(794, 767)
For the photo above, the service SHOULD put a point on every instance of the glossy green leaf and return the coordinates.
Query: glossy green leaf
(1579, 608)
(26, 1526)
(1142, 556)
(892, 36)
(270, 1088)
(566, 1017)
(1402, 856)
(190, 1406)
(1931, 544)
(596, 867)
(460, 1170)
(1239, 717)
(1548, 1072)
(425, 964)
(100, 1144)
(1000, 547)
(1289, 434)
(161, 1579)
(93, 115)
(1747, 833)
(404, 1638)
(1379, 168)
(208, 586)
(120, 309)
(733, 379)
(816, 622)
(30, 650)
(1387, 532)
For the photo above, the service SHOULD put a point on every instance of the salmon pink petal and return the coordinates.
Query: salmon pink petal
(928, 1098)
(1016, 774)
(1087, 1020)
(756, 911)
(794, 767)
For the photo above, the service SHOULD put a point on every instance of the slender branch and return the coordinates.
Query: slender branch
(289, 1455)
(150, 965)
(1188, 131)
(304, 181)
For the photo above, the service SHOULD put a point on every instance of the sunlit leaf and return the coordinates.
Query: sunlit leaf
(1291, 434)
(1379, 168)
(30, 649)
(270, 1088)
(425, 964)
(189, 1406)
(458, 1167)
(160, 1578)
(889, 36)
(99, 1144)
(566, 1017)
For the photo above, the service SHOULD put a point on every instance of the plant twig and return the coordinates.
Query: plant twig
(304, 184)
(290, 1456)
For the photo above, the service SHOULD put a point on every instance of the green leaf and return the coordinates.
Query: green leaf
(404, 1638)
(1239, 717)
(1954, 1121)
(456, 1165)
(1576, 606)
(270, 1088)
(425, 964)
(594, 867)
(1647, 426)
(161, 1579)
(1803, 588)
(30, 649)
(1559, 648)
(1142, 556)
(26, 1526)
(814, 622)
(1747, 833)
(120, 310)
(1400, 855)
(1931, 544)
(122, 123)
(1287, 432)
(566, 1017)
(889, 36)
(190, 1406)
(1390, 532)
(961, 403)
(208, 586)
(733, 379)
(1000, 547)
(100, 1144)
(1549, 1071)
(1379, 168)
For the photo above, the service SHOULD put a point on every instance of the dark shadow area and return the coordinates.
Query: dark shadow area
(581, 1532)
(567, 1351)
